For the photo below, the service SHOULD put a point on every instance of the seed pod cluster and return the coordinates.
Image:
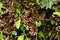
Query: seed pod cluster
(57, 27)
(7, 17)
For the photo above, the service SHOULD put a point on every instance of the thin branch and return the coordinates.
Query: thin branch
(36, 34)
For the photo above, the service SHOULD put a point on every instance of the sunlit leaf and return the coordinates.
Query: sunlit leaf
(18, 10)
(32, 4)
(21, 37)
(49, 34)
(25, 11)
(12, 3)
(41, 34)
(1, 5)
(1, 25)
(56, 13)
(14, 33)
(27, 27)
(21, 28)
(52, 22)
(1, 36)
(18, 23)
(28, 39)
(38, 23)
(38, 2)
(48, 4)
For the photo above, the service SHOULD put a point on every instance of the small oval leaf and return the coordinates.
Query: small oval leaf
(27, 28)
(38, 23)
(21, 37)
(14, 33)
(17, 23)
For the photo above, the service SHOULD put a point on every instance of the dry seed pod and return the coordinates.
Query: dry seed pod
(26, 4)
(58, 29)
(32, 33)
(33, 1)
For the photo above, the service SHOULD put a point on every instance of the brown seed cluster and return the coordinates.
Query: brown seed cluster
(57, 27)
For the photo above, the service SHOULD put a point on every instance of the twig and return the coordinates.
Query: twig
(24, 33)
(36, 34)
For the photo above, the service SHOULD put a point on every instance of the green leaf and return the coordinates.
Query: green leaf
(14, 33)
(53, 16)
(12, 3)
(18, 11)
(48, 4)
(21, 37)
(21, 28)
(1, 25)
(38, 23)
(25, 11)
(28, 39)
(18, 23)
(49, 34)
(27, 27)
(32, 4)
(56, 13)
(46, 37)
(38, 2)
(52, 22)
(1, 4)
(1, 36)
(41, 34)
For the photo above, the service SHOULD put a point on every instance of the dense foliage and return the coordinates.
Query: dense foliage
(29, 20)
